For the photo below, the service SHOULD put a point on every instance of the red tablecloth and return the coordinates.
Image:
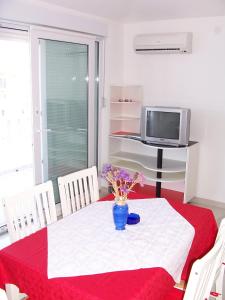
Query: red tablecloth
(24, 263)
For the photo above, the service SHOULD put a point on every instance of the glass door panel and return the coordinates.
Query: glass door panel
(64, 107)
(63, 80)
(16, 140)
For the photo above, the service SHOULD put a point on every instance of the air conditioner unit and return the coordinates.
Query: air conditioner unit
(179, 42)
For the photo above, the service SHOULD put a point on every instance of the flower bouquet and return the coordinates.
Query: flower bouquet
(122, 183)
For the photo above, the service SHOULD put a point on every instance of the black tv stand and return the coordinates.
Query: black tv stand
(159, 174)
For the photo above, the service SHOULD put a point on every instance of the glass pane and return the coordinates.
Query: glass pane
(16, 150)
(65, 107)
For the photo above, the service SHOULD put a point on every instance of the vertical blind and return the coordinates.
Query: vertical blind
(65, 106)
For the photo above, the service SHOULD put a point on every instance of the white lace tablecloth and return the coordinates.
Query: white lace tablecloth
(87, 243)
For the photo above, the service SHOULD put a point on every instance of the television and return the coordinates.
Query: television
(165, 125)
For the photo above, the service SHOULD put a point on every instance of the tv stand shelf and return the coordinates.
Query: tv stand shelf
(149, 174)
(150, 162)
(162, 165)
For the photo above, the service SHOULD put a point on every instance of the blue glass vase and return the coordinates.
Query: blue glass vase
(120, 214)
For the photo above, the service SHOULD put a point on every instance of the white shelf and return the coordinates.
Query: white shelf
(125, 115)
(124, 118)
(149, 174)
(135, 139)
(150, 162)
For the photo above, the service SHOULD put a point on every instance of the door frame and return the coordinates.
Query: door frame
(37, 33)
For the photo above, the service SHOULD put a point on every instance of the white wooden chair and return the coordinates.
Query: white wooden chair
(78, 189)
(207, 271)
(30, 210)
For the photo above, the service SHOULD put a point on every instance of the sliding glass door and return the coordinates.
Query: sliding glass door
(65, 114)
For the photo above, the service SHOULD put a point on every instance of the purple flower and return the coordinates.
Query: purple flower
(124, 175)
(121, 180)
(106, 169)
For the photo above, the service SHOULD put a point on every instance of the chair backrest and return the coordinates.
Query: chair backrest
(78, 189)
(21, 215)
(45, 201)
(30, 210)
(206, 270)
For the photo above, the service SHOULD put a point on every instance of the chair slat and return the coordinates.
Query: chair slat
(40, 211)
(15, 224)
(69, 206)
(77, 197)
(51, 201)
(86, 191)
(92, 188)
(46, 208)
(72, 196)
(63, 194)
(27, 223)
(81, 192)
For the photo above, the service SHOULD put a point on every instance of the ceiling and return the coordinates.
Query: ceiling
(145, 10)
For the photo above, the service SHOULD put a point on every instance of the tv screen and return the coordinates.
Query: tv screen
(163, 124)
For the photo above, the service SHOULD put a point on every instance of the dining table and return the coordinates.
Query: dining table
(25, 263)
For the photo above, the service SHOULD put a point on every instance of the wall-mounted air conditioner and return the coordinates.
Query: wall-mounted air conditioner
(161, 43)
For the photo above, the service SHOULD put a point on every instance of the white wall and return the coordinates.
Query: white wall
(196, 81)
(113, 76)
(39, 13)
